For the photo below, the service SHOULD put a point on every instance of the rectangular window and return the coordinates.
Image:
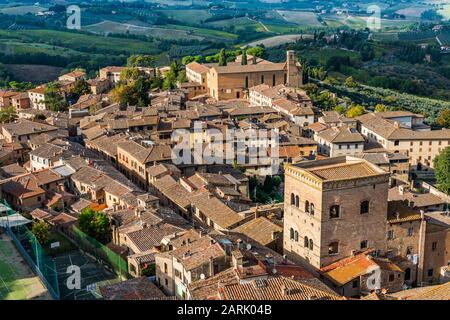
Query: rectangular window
(363, 244)
(390, 234)
(434, 246)
(410, 231)
(430, 272)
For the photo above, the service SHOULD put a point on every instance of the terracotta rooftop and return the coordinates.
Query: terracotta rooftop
(217, 211)
(344, 171)
(135, 289)
(198, 253)
(276, 288)
(341, 134)
(197, 67)
(260, 229)
(347, 269)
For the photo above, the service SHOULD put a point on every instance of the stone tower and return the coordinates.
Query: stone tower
(333, 208)
(294, 70)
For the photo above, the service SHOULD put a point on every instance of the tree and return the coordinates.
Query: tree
(123, 94)
(255, 60)
(187, 59)
(8, 115)
(244, 58)
(222, 58)
(80, 88)
(355, 111)
(53, 99)
(381, 108)
(340, 109)
(41, 231)
(94, 223)
(140, 60)
(256, 51)
(171, 78)
(349, 82)
(442, 170)
(444, 118)
(20, 86)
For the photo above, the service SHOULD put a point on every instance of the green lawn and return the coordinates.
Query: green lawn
(17, 282)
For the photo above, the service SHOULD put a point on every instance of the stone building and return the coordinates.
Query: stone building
(333, 208)
(233, 80)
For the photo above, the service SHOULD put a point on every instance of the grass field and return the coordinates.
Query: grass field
(17, 282)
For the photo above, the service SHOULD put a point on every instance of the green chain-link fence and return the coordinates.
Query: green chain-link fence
(30, 248)
(99, 251)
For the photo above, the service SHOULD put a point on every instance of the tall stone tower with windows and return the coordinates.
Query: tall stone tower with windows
(294, 70)
(333, 208)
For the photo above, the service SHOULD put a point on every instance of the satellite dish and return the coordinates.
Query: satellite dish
(249, 246)
(202, 276)
(274, 271)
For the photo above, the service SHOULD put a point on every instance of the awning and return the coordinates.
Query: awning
(13, 220)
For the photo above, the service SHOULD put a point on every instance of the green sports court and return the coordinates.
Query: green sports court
(17, 281)
(92, 274)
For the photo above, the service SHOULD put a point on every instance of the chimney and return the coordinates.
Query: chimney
(284, 291)
(274, 235)
(211, 266)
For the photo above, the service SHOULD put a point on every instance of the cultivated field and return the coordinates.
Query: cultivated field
(108, 27)
(33, 73)
(22, 10)
(279, 40)
(188, 16)
(17, 281)
(445, 12)
(302, 18)
(413, 12)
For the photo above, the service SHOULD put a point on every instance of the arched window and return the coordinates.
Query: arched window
(296, 236)
(307, 206)
(291, 233)
(333, 248)
(273, 80)
(334, 211)
(364, 207)
(262, 79)
(311, 209)
(306, 242)
(285, 78)
(246, 82)
(292, 199)
(297, 201)
(311, 244)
